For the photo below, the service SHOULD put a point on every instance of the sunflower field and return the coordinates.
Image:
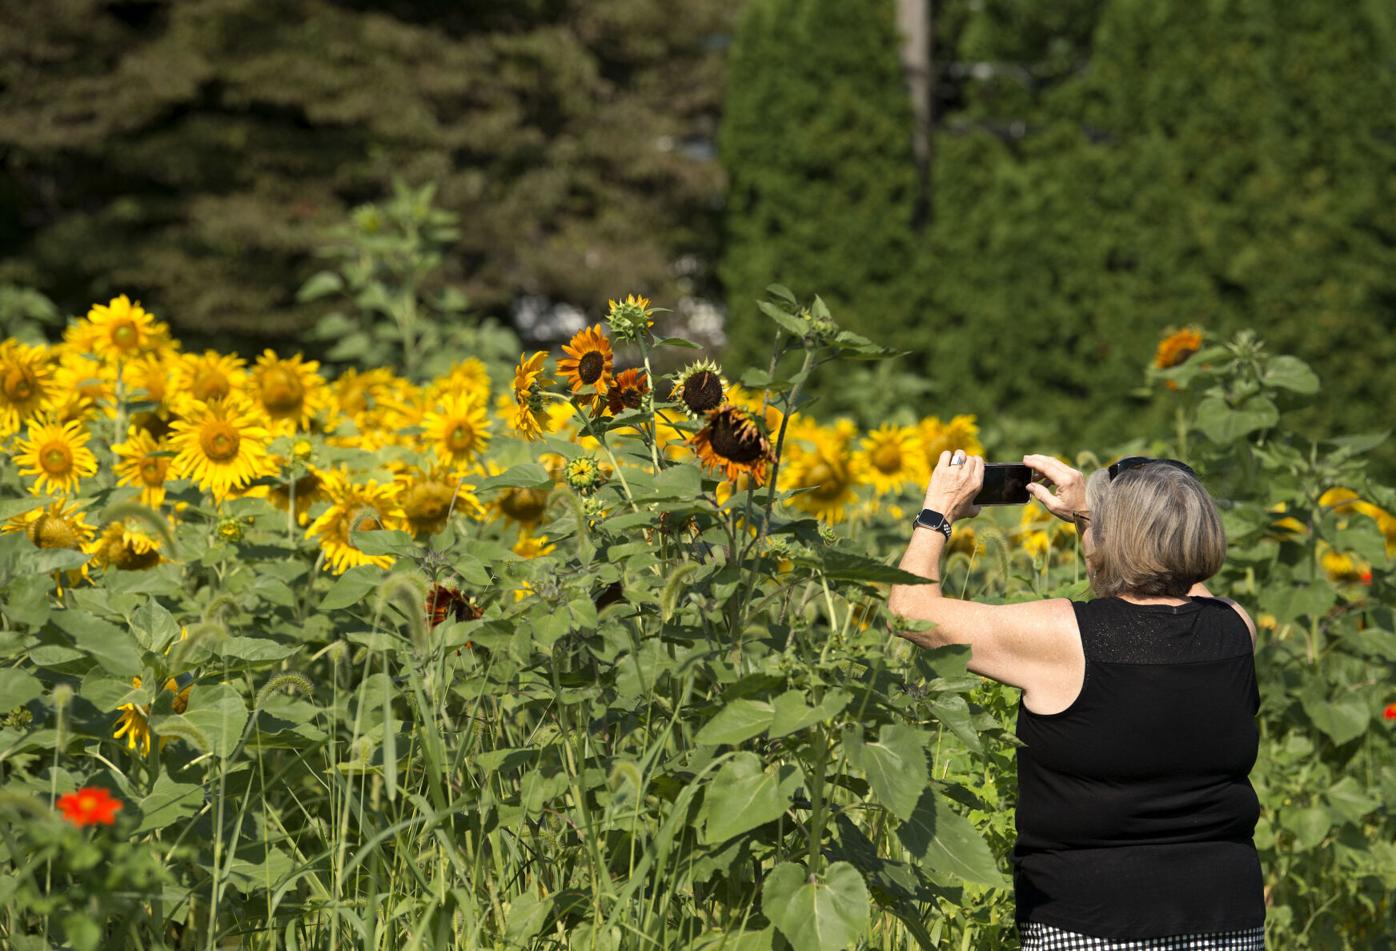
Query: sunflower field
(586, 656)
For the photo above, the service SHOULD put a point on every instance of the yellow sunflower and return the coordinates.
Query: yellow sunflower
(364, 506)
(308, 489)
(530, 420)
(133, 722)
(893, 458)
(588, 364)
(290, 391)
(961, 432)
(125, 545)
(458, 430)
(1177, 347)
(833, 475)
(732, 443)
(60, 524)
(26, 385)
(117, 331)
(221, 446)
(429, 497)
(81, 387)
(530, 545)
(56, 455)
(207, 376)
(467, 378)
(145, 463)
(1343, 566)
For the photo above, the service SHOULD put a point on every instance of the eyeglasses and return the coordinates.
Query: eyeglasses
(1132, 462)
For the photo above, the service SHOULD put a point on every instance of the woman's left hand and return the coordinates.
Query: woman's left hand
(953, 488)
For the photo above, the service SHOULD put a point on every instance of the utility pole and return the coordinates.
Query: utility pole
(915, 21)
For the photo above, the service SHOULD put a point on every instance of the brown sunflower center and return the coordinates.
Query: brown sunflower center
(19, 384)
(127, 558)
(427, 504)
(219, 440)
(735, 439)
(460, 437)
(282, 392)
(51, 531)
(56, 458)
(826, 482)
(887, 457)
(210, 384)
(630, 396)
(524, 505)
(702, 391)
(125, 335)
(153, 471)
(590, 366)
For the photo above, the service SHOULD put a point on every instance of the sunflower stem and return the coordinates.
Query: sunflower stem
(649, 385)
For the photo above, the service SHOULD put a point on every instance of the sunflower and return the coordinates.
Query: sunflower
(588, 363)
(56, 454)
(291, 391)
(1343, 566)
(627, 390)
(831, 474)
(584, 474)
(60, 524)
(1177, 347)
(530, 545)
(429, 497)
(307, 489)
(444, 601)
(221, 446)
(144, 463)
(118, 331)
(630, 318)
(133, 722)
(530, 378)
(363, 507)
(207, 376)
(1039, 530)
(732, 443)
(893, 458)
(960, 433)
(467, 378)
(458, 430)
(81, 387)
(26, 385)
(699, 387)
(125, 546)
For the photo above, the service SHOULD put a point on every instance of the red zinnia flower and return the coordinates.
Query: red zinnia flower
(1390, 711)
(93, 805)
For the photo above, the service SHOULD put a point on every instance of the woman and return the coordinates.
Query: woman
(1135, 814)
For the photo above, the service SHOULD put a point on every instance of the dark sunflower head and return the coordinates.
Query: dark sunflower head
(627, 390)
(731, 441)
(700, 387)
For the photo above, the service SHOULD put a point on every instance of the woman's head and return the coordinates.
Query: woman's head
(1153, 531)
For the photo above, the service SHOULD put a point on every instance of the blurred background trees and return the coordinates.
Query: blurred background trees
(1099, 172)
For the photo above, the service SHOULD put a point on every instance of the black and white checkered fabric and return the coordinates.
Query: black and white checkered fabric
(1037, 936)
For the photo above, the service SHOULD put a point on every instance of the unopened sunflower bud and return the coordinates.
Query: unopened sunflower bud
(630, 319)
(583, 474)
(230, 529)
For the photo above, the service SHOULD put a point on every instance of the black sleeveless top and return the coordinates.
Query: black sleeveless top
(1135, 814)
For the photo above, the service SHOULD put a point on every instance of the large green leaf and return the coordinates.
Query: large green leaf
(527, 475)
(1225, 424)
(1343, 717)
(840, 565)
(1348, 799)
(792, 714)
(742, 796)
(111, 646)
(946, 844)
(824, 912)
(352, 587)
(739, 720)
(895, 764)
(168, 802)
(1290, 373)
(219, 711)
(18, 687)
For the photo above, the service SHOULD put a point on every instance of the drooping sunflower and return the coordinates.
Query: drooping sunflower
(221, 446)
(627, 390)
(290, 391)
(588, 364)
(524, 506)
(458, 430)
(144, 463)
(1177, 347)
(56, 455)
(531, 545)
(961, 432)
(60, 524)
(530, 419)
(354, 506)
(446, 602)
(117, 331)
(207, 376)
(125, 545)
(26, 385)
(133, 722)
(429, 497)
(732, 443)
(831, 474)
(699, 387)
(893, 458)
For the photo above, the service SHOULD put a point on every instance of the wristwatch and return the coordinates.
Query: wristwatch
(930, 518)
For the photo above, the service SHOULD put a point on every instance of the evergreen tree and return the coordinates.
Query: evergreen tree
(816, 142)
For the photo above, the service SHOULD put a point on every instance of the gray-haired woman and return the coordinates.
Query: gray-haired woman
(1135, 811)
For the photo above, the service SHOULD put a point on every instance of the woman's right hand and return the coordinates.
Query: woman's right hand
(1070, 496)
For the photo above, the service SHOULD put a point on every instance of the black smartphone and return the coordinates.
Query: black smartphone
(1005, 483)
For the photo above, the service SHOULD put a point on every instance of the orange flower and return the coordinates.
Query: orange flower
(1177, 347)
(92, 805)
(1390, 711)
(626, 390)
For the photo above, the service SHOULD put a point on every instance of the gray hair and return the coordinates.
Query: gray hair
(1154, 531)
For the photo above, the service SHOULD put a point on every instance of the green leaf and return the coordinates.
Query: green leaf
(29, 600)
(953, 711)
(946, 844)
(527, 475)
(739, 720)
(56, 559)
(393, 542)
(793, 715)
(825, 912)
(169, 802)
(1343, 718)
(219, 711)
(1309, 826)
(1290, 373)
(9, 508)
(106, 692)
(154, 627)
(18, 687)
(107, 644)
(1224, 425)
(351, 587)
(788, 322)
(840, 565)
(678, 342)
(895, 764)
(320, 284)
(1348, 799)
(252, 649)
(743, 796)
(1296, 599)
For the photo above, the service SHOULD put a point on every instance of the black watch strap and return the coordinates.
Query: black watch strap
(930, 518)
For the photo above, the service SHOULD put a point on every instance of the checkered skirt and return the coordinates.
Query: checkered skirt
(1037, 936)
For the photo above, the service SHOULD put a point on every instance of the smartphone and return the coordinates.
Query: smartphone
(1005, 483)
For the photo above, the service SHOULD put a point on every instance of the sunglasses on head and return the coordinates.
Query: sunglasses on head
(1133, 462)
